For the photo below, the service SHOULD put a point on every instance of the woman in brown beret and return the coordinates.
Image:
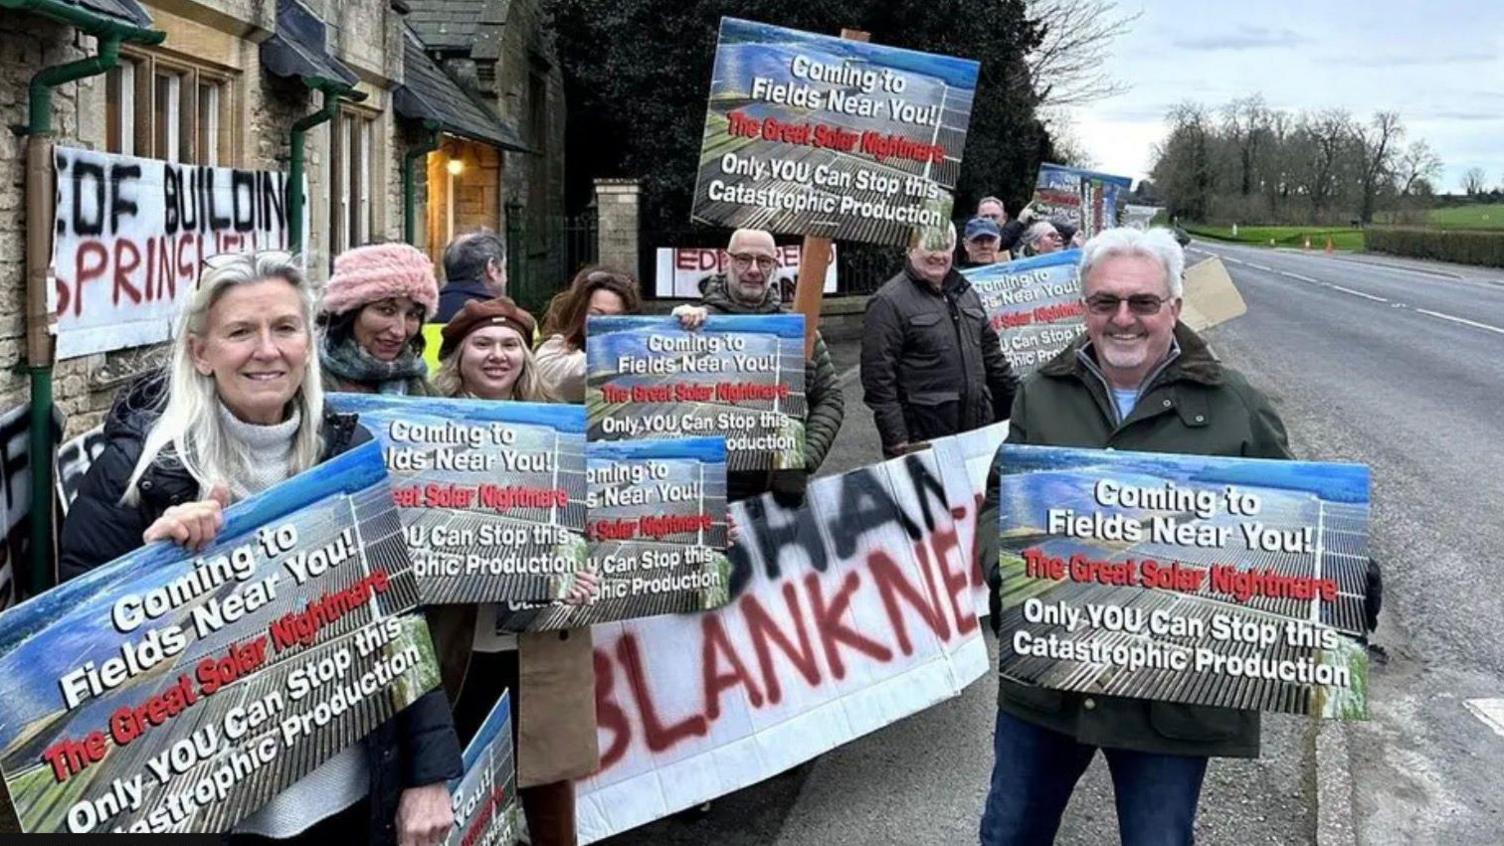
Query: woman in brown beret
(486, 354)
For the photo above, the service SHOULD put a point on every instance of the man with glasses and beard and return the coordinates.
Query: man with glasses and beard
(1139, 380)
(747, 287)
(931, 363)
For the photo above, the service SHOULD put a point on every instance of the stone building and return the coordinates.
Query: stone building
(473, 118)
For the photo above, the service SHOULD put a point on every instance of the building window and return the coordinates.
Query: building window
(170, 109)
(120, 116)
(352, 177)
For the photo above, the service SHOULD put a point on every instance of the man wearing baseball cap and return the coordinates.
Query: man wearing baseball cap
(982, 243)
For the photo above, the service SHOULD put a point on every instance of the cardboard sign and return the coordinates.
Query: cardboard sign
(815, 135)
(1085, 199)
(1138, 216)
(131, 237)
(846, 615)
(738, 376)
(1230, 582)
(486, 810)
(1210, 297)
(177, 692)
(492, 494)
(681, 269)
(1033, 304)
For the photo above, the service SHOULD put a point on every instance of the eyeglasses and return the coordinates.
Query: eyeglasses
(742, 261)
(1142, 305)
(222, 259)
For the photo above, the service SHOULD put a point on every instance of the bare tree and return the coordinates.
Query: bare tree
(1245, 121)
(1070, 67)
(1378, 145)
(1472, 181)
(1328, 133)
(1069, 148)
(1417, 164)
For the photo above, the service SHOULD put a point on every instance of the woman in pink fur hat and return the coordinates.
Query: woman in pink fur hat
(372, 313)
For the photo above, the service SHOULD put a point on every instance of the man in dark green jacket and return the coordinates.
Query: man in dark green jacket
(1137, 380)
(747, 288)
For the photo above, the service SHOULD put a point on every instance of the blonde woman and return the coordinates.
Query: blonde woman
(486, 354)
(239, 409)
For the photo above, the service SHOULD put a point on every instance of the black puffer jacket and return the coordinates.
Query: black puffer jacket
(931, 364)
(416, 748)
(827, 407)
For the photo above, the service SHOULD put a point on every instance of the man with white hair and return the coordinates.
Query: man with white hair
(931, 363)
(1138, 380)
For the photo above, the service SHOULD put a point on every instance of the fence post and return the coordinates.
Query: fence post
(516, 247)
(617, 222)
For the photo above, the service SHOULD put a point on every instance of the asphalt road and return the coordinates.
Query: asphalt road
(1391, 363)
(1398, 365)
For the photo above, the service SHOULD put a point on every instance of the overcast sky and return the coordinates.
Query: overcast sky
(1439, 64)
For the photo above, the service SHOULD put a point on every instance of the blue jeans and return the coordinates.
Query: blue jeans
(1034, 771)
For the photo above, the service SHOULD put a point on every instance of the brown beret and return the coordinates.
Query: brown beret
(480, 313)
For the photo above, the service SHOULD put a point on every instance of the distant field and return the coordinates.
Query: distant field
(1490, 216)
(1283, 236)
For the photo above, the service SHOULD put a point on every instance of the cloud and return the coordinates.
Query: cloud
(1245, 37)
(1380, 59)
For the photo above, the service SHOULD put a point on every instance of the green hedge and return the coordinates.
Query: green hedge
(1461, 246)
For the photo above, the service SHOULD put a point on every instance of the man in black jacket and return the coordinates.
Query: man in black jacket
(475, 268)
(931, 363)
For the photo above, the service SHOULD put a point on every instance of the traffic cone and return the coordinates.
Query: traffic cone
(1329, 244)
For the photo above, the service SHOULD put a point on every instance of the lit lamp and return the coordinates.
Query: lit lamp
(455, 166)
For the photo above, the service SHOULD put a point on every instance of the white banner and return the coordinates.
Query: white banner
(680, 269)
(847, 615)
(131, 235)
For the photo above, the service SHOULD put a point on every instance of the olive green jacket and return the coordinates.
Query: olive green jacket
(1191, 405)
(823, 399)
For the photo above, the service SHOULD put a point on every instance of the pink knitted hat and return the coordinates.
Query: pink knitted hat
(370, 274)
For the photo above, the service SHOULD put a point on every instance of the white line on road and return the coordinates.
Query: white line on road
(1463, 320)
(1233, 260)
(1364, 294)
(1301, 278)
(1264, 268)
(1490, 711)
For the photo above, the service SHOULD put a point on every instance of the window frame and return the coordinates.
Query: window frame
(132, 118)
(353, 179)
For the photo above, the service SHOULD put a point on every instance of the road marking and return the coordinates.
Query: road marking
(1490, 711)
(1364, 294)
(1301, 278)
(1260, 267)
(1233, 260)
(1463, 320)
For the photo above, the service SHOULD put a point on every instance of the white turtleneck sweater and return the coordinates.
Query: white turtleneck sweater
(344, 779)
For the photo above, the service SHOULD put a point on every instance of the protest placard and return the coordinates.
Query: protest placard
(738, 376)
(169, 691)
(1085, 199)
(846, 615)
(486, 811)
(680, 270)
(132, 234)
(1034, 305)
(809, 134)
(492, 494)
(657, 527)
(1230, 582)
